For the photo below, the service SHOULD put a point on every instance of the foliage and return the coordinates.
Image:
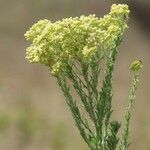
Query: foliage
(74, 50)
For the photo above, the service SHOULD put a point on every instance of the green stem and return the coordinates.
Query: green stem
(124, 144)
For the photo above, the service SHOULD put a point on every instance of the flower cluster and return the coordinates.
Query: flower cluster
(136, 65)
(75, 39)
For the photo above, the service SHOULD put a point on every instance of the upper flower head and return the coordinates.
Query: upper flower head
(75, 39)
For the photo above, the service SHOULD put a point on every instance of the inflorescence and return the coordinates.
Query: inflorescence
(80, 38)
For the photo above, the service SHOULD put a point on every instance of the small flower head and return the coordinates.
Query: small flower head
(56, 68)
(136, 65)
(88, 52)
(36, 30)
(121, 10)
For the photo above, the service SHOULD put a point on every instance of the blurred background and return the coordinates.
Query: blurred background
(33, 113)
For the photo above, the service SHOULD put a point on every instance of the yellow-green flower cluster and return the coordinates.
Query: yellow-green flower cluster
(75, 39)
(136, 65)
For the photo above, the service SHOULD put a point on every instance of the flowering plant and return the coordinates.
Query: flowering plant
(74, 50)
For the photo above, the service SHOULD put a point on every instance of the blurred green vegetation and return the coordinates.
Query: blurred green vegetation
(59, 138)
(31, 124)
(5, 122)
